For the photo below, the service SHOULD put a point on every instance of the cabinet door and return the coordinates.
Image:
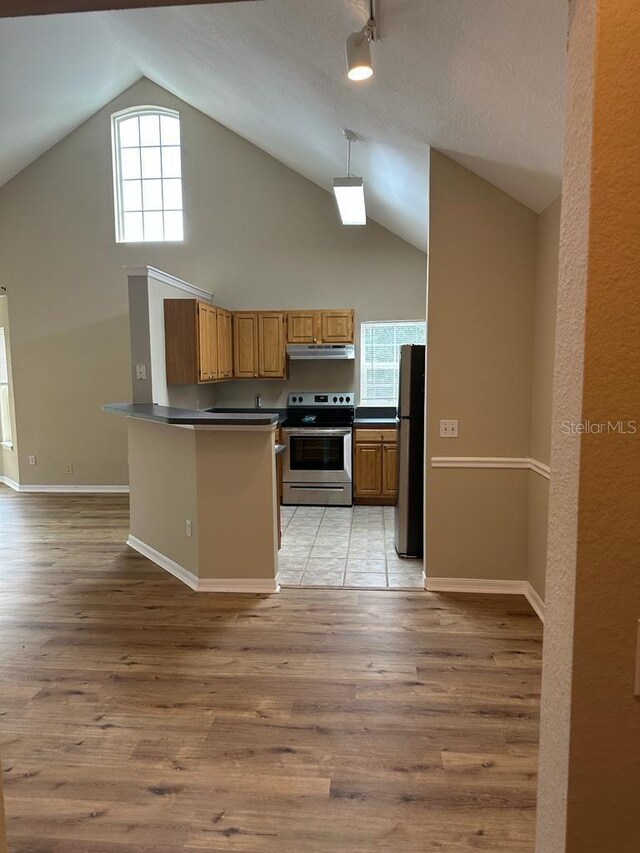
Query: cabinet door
(303, 327)
(368, 470)
(181, 334)
(213, 341)
(272, 347)
(389, 470)
(221, 336)
(228, 322)
(245, 345)
(205, 361)
(337, 327)
(225, 356)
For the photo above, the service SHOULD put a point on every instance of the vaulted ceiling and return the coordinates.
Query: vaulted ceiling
(481, 80)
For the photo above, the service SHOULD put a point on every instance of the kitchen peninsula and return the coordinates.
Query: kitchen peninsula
(203, 495)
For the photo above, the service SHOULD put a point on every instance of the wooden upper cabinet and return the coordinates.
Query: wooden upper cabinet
(303, 327)
(225, 343)
(245, 345)
(271, 345)
(191, 341)
(389, 470)
(336, 327)
(315, 327)
(368, 470)
(206, 340)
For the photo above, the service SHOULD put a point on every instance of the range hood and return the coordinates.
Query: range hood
(315, 352)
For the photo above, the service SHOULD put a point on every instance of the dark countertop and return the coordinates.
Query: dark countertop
(223, 410)
(375, 422)
(280, 448)
(188, 417)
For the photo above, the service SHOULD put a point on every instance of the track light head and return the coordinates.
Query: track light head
(359, 66)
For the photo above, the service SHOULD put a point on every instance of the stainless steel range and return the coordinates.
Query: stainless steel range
(317, 433)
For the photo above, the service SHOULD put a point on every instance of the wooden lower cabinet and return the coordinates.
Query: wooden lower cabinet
(375, 466)
(368, 470)
(390, 471)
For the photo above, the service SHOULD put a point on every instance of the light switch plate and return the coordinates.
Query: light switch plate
(449, 429)
(141, 371)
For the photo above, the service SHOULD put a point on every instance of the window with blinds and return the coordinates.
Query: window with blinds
(380, 344)
(5, 417)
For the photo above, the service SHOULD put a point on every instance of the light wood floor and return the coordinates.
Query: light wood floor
(139, 717)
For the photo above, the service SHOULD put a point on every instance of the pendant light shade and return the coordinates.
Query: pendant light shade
(359, 65)
(349, 193)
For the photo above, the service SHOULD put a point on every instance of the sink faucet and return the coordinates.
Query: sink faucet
(258, 401)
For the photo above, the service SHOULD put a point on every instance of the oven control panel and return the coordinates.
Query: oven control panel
(321, 398)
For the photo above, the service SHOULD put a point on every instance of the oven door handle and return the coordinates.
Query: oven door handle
(315, 431)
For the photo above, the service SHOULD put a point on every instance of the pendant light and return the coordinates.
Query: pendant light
(349, 192)
(359, 65)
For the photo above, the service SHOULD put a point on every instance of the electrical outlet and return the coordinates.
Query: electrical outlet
(188, 527)
(69, 469)
(449, 429)
(141, 371)
(33, 460)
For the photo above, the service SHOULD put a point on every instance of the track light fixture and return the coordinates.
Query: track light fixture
(359, 66)
(349, 192)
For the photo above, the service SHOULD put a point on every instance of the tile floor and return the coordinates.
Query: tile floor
(343, 547)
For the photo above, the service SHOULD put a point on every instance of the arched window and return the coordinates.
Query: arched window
(147, 175)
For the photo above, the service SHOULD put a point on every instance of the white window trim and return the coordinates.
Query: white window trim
(130, 112)
(5, 383)
(363, 401)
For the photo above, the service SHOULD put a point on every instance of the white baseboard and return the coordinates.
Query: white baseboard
(535, 601)
(480, 586)
(165, 563)
(9, 482)
(241, 585)
(65, 489)
(474, 585)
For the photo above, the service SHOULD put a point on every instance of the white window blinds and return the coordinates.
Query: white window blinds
(380, 344)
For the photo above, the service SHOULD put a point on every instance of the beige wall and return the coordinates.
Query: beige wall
(9, 456)
(590, 727)
(258, 236)
(542, 388)
(222, 481)
(237, 500)
(482, 262)
(164, 489)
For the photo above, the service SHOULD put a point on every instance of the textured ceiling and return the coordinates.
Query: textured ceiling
(482, 80)
(55, 72)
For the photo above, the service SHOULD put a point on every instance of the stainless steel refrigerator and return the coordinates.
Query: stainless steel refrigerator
(409, 519)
